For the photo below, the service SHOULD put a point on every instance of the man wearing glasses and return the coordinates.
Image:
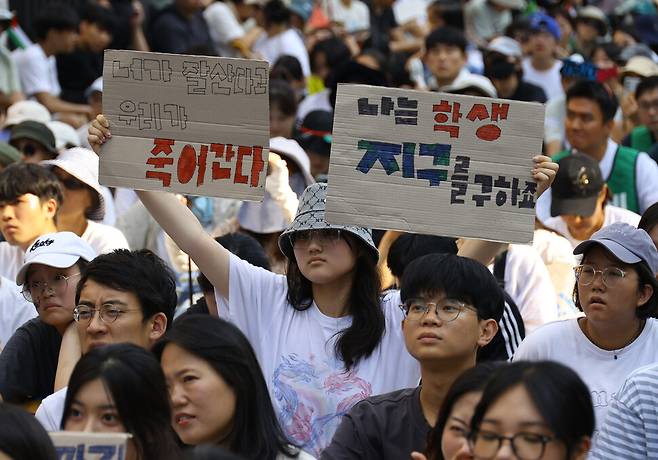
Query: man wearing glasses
(452, 306)
(123, 296)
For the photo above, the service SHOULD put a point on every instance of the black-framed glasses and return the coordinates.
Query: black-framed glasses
(325, 237)
(108, 313)
(585, 275)
(34, 289)
(526, 446)
(447, 310)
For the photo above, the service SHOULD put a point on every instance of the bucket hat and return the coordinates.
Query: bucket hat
(310, 216)
(26, 110)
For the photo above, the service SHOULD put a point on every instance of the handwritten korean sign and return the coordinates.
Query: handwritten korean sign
(191, 124)
(89, 446)
(434, 163)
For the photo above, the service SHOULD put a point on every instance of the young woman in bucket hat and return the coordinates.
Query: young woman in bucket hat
(324, 336)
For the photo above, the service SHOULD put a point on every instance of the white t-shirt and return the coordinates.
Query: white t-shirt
(103, 238)
(51, 410)
(223, 27)
(317, 101)
(549, 80)
(603, 371)
(286, 43)
(354, 19)
(308, 384)
(612, 214)
(14, 310)
(646, 172)
(11, 260)
(38, 72)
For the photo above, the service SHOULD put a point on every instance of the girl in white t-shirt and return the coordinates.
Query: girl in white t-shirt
(324, 336)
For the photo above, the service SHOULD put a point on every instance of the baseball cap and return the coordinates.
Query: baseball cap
(506, 46)
(26, 110)
(640, 65)
(577, 186)
(627, 243)
(595, 14)
(59, 250)
(35, 131)
(82, 164)
(315, 132)
(8, 154)
(543, 22)
(472, 82)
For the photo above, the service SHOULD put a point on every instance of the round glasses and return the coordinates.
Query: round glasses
(108, 313)
(526, 446)
(448, 310)
(33, 290)
(324, 237)
(611, 276)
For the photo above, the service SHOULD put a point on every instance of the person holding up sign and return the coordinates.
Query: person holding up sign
(121, 389)
(323, 333)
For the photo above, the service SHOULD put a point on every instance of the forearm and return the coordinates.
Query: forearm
(481, 250)
(54, 104)
(139, 42)
(69, 354)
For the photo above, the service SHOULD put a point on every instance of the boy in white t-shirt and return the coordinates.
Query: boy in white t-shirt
(542, 68)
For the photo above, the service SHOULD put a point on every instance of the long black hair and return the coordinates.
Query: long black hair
(134, 379)
(256, 432)
(360, 339)
(474, 379)
(22, 436)
(560, 396)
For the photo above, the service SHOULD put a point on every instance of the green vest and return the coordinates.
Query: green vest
(622, 180)
(641, 139)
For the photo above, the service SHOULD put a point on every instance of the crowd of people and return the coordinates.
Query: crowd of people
(211, 328)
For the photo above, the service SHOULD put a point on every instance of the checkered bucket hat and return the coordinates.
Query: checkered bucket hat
(310, 216)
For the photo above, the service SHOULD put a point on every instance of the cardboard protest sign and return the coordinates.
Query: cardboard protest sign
(434, 163)
(191, 124)
(70, 445)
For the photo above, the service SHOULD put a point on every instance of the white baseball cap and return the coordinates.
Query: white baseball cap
(22, 111)
(59, 250)
(64, 134)
(506, 46)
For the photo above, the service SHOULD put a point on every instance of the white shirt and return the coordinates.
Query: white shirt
(549, 80)
(51, 410)
(288, 42)
(317, 101)
(612, 214)
(564, 342)
(307, 381)
(103, 238)
(11, 260)
(14, 310)
(646, 178)
(38, 72)
(354, 18)
(223, 27)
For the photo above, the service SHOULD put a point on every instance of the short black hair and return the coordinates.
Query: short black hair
(559, 394)
(246, 247)
(57, 16)
(287, 68)
(410, 246)
(646, 84)
(20, 178)
(283, 97)
(276, 12)
(449, 36)
(457, 277)
(93, 13)
(23, 436)
(595, 91)
(140, 272)
(334, 49)
(649, 218)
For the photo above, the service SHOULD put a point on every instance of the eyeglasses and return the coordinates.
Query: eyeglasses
(526, 446)
(34, 290)
(448, 310)
(325, 237)
(108, 313)
(611, 276)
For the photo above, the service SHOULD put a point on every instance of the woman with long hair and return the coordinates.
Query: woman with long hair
(121, 389)
(218, 393)
(324, 335)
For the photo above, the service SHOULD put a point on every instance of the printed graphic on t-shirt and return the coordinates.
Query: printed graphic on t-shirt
(312, 396)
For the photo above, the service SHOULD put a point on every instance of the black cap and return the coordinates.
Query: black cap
(35, 131)
(577, 186)
(315, 132)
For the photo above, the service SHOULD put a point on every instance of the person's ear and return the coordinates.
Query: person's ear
(158, 326)
(488, 329)
(644, 294)
(581, 449)
(50, 207)
(609, 125)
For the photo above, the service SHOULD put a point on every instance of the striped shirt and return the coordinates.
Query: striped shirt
(630, 430)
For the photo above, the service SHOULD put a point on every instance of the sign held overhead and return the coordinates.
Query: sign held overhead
(191, 124)
(434, 163)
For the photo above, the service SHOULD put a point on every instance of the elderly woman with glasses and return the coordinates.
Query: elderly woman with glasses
(49, 277)
(616, 288)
